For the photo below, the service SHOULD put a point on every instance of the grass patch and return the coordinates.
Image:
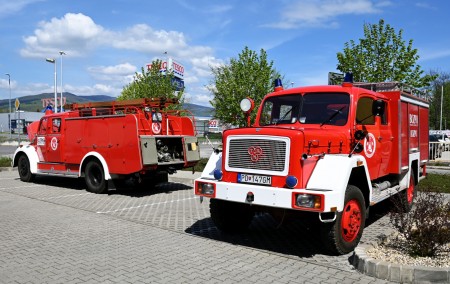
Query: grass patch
(436, 183)
(5, 162)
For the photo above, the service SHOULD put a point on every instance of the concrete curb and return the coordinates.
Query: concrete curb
(397, 272)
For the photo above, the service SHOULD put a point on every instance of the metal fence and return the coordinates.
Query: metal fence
(439, 151)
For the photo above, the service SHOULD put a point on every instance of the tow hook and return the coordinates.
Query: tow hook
(327, 217)
(250, 197)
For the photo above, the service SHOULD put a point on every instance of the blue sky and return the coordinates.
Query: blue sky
(107, 41)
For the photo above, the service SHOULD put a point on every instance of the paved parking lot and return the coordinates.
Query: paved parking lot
(53, 231)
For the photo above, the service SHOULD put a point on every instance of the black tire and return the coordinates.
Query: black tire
(343, 235)
(95, 177)
(230, 217)
(23, 165)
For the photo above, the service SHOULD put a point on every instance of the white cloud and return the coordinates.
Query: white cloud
(96, 89)
(11, 7)
(434, 54)
(74, 33)
(425, 5)
(321, 13)
(121, 74)
(77, 34)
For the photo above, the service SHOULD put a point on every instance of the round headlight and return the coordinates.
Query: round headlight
(246, 105)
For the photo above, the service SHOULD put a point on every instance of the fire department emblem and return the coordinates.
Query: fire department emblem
(255, 153)
(54, 143)
(370, 145)
(156, 127)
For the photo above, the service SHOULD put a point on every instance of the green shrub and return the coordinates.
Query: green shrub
(426, 228)
(5, 162)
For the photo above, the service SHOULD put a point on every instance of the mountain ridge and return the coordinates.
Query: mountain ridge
(33, 103)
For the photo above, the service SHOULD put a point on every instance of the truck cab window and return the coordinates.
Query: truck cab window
(43, 126)
(280, 110)
(56, 125)
(364, 112)
(325, 108)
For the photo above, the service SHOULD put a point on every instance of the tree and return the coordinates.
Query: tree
(442, 79)
(250, 75)
(382, 55)
(152, 83)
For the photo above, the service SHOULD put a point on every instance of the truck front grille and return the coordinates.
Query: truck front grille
(268, 155)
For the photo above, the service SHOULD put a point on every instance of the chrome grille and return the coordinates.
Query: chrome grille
(272, 156)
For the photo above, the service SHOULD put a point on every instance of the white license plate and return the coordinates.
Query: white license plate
(256, 179)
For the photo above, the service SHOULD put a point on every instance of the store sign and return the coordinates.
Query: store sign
(172, 66)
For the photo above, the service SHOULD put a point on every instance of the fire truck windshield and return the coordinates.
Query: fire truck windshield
(308, 108)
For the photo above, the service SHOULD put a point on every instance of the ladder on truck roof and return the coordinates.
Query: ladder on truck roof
(145, 102)
(394, 86)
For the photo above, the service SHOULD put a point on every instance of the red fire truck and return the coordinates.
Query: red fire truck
(105, 141)
(324, 153)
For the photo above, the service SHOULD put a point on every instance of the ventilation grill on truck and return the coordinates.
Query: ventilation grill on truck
(257, 154)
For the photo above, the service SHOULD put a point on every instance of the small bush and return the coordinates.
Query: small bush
(5, 162)
(426, 228)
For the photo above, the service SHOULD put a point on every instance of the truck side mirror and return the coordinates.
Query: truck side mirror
(378, 107)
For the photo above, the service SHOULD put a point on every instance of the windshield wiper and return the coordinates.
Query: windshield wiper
(284, 116)
(336, 112)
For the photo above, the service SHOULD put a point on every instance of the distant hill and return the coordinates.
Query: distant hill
(199, 110)
(34, 103)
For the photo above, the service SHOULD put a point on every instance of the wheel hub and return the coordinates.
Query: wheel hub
(351, 221)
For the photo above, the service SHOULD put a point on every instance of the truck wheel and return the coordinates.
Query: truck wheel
(405, 198)
(24, 169)
(230, 217)
(95, 177)
(343, 235)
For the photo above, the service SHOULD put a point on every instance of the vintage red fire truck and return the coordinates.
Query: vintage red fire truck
(325, 153)
(106, 141)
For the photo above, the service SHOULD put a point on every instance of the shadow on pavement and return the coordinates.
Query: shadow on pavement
(294, 237)
(145, 189)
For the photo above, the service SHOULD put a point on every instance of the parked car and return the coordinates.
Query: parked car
(445, 141)
(436, 146)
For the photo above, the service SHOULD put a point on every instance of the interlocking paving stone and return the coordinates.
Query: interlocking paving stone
(54, 231)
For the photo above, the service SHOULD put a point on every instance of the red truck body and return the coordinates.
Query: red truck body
(332, 151)
(118, 140)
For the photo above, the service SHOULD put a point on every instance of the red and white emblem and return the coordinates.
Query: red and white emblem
(156, 127)
(370, 145)
(54, 143)
(255, 153)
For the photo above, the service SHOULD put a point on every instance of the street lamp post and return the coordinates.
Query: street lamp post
(53, 60)
(61, 53)
(9, 116)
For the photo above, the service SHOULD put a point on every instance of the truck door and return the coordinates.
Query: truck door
(41, 140)
(372, 147)
(53, 140)
(386, 139)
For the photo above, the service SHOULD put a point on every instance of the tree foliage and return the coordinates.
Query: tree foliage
(249, 75)
(382, 55)
(442, 80)
(151, 83)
